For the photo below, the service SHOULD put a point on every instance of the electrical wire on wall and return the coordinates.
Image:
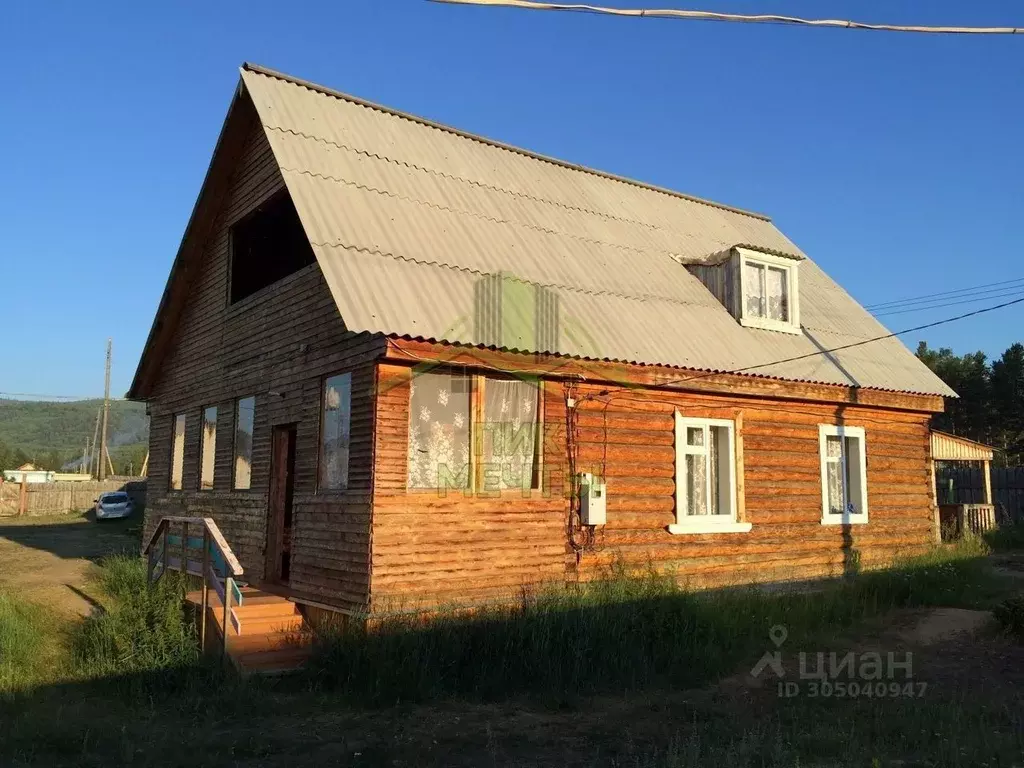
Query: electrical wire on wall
(580, 537)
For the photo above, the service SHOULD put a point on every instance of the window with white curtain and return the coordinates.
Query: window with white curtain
(768, 287)
(844, 497)
(479, 433)
(439, 436)
(510, 435)
(706, 477)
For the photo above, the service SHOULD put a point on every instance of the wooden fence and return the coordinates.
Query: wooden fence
(64, 498)
(964, 484)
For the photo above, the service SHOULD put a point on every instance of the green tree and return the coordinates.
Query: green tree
(1008, 402)
(971, 414)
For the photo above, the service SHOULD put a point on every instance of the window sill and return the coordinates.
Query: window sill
(710, 528)
(845, 520)
(770, 325)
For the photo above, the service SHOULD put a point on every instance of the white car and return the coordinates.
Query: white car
(114, 506)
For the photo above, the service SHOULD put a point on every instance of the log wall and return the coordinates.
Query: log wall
(430, 549)
(276, 345)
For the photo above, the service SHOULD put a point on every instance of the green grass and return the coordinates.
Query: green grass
(511, 686)
(26, 644)
(145, 629)
(1006, 538)
(624, 632)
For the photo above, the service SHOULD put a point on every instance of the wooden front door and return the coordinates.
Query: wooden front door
(279, 509)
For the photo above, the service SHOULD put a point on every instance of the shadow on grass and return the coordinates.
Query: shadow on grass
(135, 675)
(80, 537)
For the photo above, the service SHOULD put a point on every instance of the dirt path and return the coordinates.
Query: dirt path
(49, 560)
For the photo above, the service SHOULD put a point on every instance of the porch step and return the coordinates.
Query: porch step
(270, 638)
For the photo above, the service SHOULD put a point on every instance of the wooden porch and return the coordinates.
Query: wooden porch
(957, 520)
(257, 631)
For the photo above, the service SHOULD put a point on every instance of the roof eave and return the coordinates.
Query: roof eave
(139, 387)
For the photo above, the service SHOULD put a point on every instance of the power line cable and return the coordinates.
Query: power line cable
(840, 348)
(970, 291)
(768, 18)
(1019, 291)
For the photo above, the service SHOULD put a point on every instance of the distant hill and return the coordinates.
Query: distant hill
(50, 433)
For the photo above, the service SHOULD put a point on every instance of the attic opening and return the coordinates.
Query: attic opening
(266, 246)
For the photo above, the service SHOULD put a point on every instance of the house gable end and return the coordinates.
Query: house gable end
(196, 314)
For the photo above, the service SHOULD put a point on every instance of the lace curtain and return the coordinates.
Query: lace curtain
(439, 431)
(834, 474)
(702, 483)
(765, 292)
(510, 434)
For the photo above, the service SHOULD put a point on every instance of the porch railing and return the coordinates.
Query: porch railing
(196, 547)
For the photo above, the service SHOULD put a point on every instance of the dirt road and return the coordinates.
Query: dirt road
(48, 560)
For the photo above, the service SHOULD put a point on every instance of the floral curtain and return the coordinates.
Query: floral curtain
(510, 434)
(439, 431)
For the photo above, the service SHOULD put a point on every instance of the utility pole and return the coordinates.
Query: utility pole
(106, 413)
(85, 457)
(93, 468)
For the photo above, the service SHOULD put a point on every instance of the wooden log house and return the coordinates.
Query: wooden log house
(388, 352)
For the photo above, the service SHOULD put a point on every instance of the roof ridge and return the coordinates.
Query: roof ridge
(261, 70)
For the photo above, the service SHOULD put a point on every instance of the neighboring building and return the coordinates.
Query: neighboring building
(27, 473)
(72, 477)
(386, 348)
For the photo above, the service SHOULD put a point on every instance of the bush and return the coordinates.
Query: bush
(145, 628)
(1011, 615)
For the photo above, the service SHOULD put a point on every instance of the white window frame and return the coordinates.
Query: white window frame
(847, 518)
(718, 523)
(766, 260)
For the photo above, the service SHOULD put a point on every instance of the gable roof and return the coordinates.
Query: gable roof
(406, 217)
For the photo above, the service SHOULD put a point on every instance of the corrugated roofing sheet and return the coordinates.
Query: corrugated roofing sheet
(406, 218)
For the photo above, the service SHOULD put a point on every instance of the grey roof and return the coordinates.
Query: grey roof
(407, 216)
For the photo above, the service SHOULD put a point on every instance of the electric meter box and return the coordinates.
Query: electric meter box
(592, 500)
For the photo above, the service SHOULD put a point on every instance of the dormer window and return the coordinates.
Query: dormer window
(768, 291)
(759, 289)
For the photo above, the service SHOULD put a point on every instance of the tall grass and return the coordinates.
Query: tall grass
(25, 644)
(145, 628)
(624, 632)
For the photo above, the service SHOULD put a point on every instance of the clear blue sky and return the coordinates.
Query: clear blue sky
(894, 160)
